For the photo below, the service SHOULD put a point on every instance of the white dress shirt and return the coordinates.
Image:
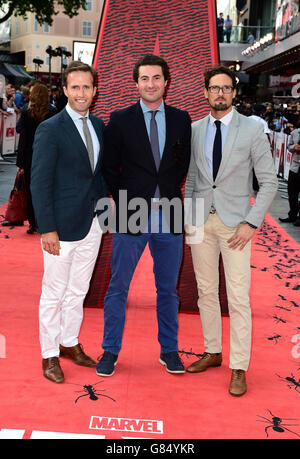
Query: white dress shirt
(79, 124)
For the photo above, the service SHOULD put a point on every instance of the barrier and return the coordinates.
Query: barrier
(281, 154)
(9, 137)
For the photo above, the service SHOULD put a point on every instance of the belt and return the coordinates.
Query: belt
(212, 210)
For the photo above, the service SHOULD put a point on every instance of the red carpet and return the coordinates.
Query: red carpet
(142, 400)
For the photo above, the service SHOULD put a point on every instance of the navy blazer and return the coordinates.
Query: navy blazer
(64, 188)
(128, 162)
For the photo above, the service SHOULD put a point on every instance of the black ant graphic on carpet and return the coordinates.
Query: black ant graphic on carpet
(277, 425)
(277, 319)
(91, 392)
(291, 382)
(274, 338)
(189, 353)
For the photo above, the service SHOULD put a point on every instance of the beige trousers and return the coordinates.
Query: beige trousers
(237, 274)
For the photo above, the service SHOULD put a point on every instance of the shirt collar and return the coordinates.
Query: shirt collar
(225, 120)
(75, 115)
(146, 109)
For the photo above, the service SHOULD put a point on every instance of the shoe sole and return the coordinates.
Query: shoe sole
(105, 374)
(171, 371)
(52, 380)
(66, 356)
(237, 395)
(201, 371)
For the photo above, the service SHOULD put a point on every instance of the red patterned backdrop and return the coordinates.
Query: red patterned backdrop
(183, 32)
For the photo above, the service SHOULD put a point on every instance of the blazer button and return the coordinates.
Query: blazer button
(214, 186)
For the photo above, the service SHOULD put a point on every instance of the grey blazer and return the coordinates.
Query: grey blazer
(294, 138)
(246, 147)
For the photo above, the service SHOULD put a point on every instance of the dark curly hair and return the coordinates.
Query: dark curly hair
(151, 59)
(221, 69)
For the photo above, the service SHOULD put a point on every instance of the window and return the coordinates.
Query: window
(36, 25)
(46, 27)
(86, 28)
(88, 5)
(17, 27)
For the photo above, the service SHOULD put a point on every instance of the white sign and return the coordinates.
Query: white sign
(279, 145)
(9, 134)
(83, 51)
(296, 88)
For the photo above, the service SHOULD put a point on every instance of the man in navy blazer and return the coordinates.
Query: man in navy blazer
(147, 153)
(66, 183)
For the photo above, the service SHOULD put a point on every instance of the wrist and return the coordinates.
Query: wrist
(244, 222)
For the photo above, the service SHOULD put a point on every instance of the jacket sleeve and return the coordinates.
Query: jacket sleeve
(42, 177)
(22, 141)
(186, 148)
(294, 139)
(264, 168)
(111, 162)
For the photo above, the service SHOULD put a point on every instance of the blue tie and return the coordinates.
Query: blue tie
(217, 149)
(155, 145)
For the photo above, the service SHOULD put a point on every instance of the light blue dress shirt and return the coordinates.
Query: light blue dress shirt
(210, 136)
(160, 121)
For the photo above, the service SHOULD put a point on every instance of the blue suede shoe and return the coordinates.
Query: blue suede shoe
(172, 362)
(106, 365)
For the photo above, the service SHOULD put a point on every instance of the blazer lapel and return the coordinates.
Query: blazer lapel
(75, 138)
(100, 139)
(142, 134)
(199, 146)
(167, 148)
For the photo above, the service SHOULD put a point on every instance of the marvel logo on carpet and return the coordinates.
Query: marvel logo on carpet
(124, 424)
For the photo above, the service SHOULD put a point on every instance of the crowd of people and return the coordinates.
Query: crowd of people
(32, 103)
(283, 118)
(279, 117)
(15, 97)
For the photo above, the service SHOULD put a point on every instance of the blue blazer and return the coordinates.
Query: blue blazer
(64, 188)
(128, 162)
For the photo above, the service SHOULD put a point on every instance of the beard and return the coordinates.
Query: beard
(221, 106)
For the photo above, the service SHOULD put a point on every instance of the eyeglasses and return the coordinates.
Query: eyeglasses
(216, 89)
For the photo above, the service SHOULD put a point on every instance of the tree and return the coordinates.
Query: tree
(44, 10)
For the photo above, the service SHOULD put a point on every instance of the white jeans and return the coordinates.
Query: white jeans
(65, 284)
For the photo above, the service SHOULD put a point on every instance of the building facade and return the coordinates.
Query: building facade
(33, 39)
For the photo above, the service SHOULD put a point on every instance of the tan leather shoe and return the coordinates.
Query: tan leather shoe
(206, 361)
(76, 354)
(238, 384)
(52, 370)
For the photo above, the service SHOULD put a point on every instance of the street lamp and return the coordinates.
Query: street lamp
(52, 53)
(62, 53)
(38, 63)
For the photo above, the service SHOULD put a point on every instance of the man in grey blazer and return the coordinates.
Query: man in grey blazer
(226, 146)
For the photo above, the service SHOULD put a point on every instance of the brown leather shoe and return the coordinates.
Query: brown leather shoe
(206, 361)
(76, 354)
(238, 384)
(52, 370)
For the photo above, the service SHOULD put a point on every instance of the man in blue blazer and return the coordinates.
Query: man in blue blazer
(147, 153)
(66, 183)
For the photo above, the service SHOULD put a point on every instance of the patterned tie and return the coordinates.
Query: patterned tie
(155, 145)
(217, 149)
(89, 142)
